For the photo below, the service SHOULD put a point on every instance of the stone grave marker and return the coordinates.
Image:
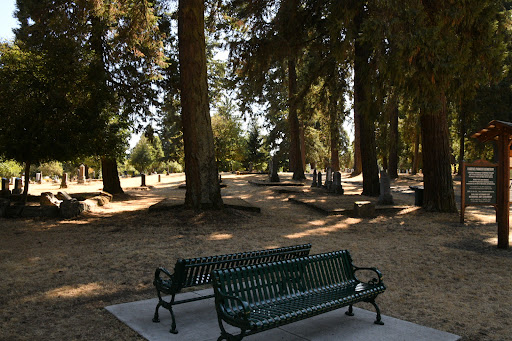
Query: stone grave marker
(319, 182)
(328, 179)
(18, 186)
(5, 187)
(48, 199)
(385, 197)
(314, 183)
(364, 209)
(338, 189)
(64, 181)
(274, 177)
(81, 174)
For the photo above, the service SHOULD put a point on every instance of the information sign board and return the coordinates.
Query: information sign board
(480, 184)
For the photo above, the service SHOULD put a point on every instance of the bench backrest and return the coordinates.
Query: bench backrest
(197, 271)
(267, 282)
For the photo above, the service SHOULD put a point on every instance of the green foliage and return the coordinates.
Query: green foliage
(10, 168)
(228, 139)
(52, 168)
(174, 167)
(255, 157)
(142, 155)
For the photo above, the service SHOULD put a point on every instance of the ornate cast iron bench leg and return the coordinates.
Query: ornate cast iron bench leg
(377, 309)
(350, 312)
(378, 321)
(155, 317)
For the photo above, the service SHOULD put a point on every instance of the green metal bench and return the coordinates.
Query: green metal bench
(194, 272)
(260, 297)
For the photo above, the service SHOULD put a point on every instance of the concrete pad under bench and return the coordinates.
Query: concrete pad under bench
(197, 321)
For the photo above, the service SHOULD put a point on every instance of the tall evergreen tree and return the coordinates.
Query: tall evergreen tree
(200, 167)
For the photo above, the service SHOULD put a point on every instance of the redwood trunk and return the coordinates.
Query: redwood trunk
(294, 126)
(393, 142)
(201, 171)
(111, 183)
(363, 105)
(416, 155)
(358, 166)
(27, 180)
(335, 138)
(437, 175)
(461, 141)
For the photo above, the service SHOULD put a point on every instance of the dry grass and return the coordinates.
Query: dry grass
(58, 275)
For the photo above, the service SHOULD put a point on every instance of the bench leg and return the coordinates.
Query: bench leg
(173, 324)
(378, 320)
(350, 312)
(155, 317)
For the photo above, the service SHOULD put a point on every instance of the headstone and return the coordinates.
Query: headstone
(81, 174)
(142, 179)
(274, 177)
(5, 187)
(328, 179)
(39, 178)
(385, 197)
(17, 186)
(64, 181)
(63, 196)
(4, 206)
(314, 183)
(48, 199)
(338, 189)
(70, 208)
(319, 181)
(364, 209)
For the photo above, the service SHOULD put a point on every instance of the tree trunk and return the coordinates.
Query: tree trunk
(393, 141)
(111, 183)
(27, 180)
(416, 155)
(201, 170)
(462, 134)
(334, 132)
(363, 105)
(294, 126)
(437, 175)
(358, 166)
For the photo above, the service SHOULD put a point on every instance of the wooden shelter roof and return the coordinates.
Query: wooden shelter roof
(493, 130)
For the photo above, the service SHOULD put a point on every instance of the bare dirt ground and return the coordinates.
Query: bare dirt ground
(58, 275)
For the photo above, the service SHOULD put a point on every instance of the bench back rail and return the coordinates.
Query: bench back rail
(247, 297)
(197, 272)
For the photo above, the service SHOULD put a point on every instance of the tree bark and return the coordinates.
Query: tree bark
(293, 122)
(201, 170)
(462, 134)
(334, 132)
(416, 155)
(358, 166)
(363, 106)
(110, 175)
(437, 175)
(393, 141)
(27, 180)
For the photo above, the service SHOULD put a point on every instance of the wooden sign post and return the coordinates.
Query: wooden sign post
(501, 133)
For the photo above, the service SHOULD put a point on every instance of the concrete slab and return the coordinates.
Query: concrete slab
(197, 321)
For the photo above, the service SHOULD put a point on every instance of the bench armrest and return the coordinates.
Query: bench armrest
(373, 281)
(220, 299)
(160, 283)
